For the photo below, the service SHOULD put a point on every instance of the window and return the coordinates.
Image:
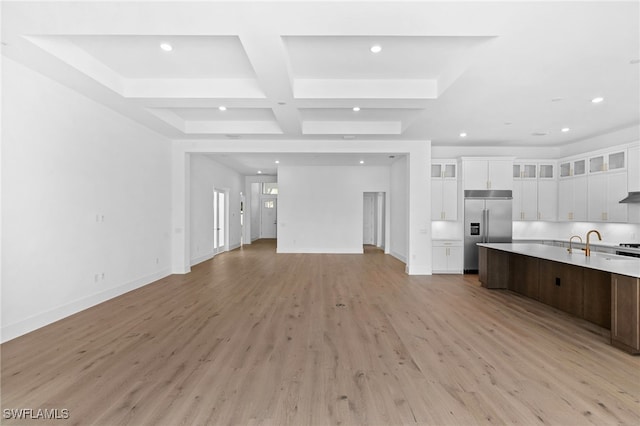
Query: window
(268, 204)
(270, 188)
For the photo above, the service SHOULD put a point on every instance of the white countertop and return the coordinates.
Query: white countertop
(623, 265)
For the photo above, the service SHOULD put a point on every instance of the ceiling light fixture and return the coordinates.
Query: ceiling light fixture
(463, 135)
(565, 129)
(356, 108)
(376, 48)
(556, 99)
(222, 108)
(259, 172)
(166, 47)
(277, 161)
(597, 100)
(361, 161)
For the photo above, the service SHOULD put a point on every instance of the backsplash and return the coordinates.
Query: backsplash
(613, 233)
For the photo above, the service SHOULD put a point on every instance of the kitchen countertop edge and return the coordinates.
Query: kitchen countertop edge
(621, 265)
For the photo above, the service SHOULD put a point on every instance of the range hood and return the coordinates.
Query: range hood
(633, 197)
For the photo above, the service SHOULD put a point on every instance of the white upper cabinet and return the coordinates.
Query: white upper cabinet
(487, 173)
(535, 190)
(605, 192)
(444, 190)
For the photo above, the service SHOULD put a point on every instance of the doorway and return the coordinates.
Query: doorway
(268, 217)
(373, 219)
(219, 221)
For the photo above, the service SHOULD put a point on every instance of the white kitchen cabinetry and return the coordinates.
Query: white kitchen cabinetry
(447, 257)
(444, 190)
(487, 173)
(535, 191)
(605, 192)
(572, 199)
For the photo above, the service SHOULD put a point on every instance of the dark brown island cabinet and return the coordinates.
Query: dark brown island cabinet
(609, 300)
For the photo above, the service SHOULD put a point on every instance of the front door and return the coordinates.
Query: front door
(268, 217)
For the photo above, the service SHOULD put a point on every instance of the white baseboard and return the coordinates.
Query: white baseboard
(418, 270)
(202, 258)
(398, 256)
(34, 322)
(320, 251)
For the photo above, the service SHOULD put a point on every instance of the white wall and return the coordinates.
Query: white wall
(205, 174)
(320, 208)
(398, 208)
(85, 192)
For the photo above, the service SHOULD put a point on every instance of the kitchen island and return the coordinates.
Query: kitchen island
(602, 288)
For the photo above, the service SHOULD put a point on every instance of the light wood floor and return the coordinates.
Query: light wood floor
(252, 337)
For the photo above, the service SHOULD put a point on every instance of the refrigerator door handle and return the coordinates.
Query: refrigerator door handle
(486, 227)
(483, 232)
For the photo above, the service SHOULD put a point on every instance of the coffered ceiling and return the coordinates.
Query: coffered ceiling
(503, 73)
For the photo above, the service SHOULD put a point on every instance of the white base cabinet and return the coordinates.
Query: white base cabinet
(447, 257)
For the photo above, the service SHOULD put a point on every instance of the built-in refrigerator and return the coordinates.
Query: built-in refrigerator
(487, 219)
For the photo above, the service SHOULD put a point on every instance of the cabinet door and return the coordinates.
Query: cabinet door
(565, 199)
(625, 312)
(597, 197)
(454, 260)
(500, 174)
(439, 259)
(597, 297)
(516, 211)
(547, 200)
(436, 199)
(580, 198)
(450, 200)
(475, 174)
(616, 190)
(529, 200)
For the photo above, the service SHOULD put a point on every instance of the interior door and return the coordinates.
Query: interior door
(368, 220)
(268, 217)
(219, 221)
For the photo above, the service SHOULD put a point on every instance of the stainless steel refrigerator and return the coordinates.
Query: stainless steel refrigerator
(487, 219)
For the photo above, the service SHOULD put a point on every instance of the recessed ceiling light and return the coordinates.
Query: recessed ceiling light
(463, 135)
(356, 108)
(361, 161)
(259, 172)
(222, 108)
(556, 99)
(565, 129)
(376, 48)
(597, 100)
(508, 123)
(166, 47)
(277, 161)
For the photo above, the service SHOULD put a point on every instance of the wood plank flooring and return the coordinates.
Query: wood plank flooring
(252, 337)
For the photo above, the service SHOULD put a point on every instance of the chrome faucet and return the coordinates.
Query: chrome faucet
(587, 249)
(571, 239)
